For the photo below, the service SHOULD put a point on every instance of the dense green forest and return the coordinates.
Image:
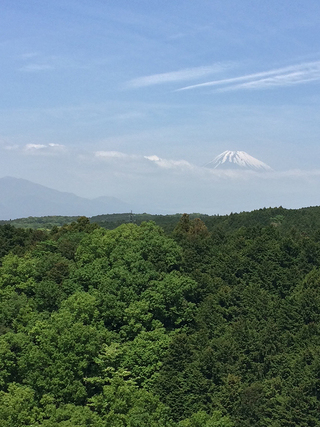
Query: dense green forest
(214, 322)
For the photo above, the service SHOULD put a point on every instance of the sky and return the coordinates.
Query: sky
(131, 98)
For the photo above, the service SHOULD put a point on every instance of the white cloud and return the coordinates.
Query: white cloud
(113, 155)
(143, 161)
(285, 76)
(34, 146)
(56, 145)
(174, 76)
(169, 164)
(153, 158)
(50, 148)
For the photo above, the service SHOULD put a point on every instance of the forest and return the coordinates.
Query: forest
(208, 321)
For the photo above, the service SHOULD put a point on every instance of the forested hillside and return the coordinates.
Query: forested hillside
(214, 324)
(305, 220)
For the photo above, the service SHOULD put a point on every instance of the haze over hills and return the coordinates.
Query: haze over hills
(237, 160)
(21, 198)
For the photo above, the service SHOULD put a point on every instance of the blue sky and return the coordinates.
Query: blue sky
(89, 88)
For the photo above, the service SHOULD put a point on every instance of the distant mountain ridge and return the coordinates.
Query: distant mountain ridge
(22, 198)
(237, 160)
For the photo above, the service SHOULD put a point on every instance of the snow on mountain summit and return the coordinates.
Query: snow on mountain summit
(237, 160)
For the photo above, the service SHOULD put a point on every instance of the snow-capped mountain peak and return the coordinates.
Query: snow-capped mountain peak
(237, 160)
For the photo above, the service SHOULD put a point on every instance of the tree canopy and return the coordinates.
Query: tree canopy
(214, 325)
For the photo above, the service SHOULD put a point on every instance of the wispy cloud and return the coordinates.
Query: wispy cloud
(35, 149)
(175, 76)
(35, 146)
(168, 163)
(35, 62)
(50, 148)
(113, 155)
(140, 164)
(29, 55)
(32, 68)
(285, 76)
(40, 146)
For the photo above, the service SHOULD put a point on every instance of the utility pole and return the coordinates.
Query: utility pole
(131, 218)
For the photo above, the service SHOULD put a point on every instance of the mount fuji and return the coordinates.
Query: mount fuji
(237, 160)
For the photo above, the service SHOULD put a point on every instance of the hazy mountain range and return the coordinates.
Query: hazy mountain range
(20, 198)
